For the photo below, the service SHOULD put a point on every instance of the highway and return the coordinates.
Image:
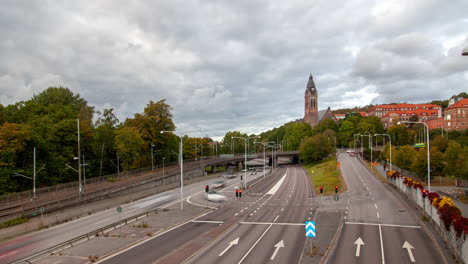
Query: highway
(267, 225)
(37, 241)
(379, 227)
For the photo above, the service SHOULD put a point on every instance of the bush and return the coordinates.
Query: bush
(16, 221)
(448, 214)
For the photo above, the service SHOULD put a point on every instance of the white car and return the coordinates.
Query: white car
(215, 197)
(217, 184)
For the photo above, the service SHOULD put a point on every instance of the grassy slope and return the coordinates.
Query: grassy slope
(326, 174)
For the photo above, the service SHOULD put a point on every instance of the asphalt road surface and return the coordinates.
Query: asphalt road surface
(379, 227)
(267, 226)
(27, 245)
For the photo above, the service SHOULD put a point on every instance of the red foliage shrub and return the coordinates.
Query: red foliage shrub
(418, 186)
(460, 225)
(448, 214)
(432, 195)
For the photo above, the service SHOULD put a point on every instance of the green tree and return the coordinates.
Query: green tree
(294, 134)
(399, 134)
(346, 132)
(403, 157)
(456, 157)
(129, 144)
(314, 148)
(440, 142)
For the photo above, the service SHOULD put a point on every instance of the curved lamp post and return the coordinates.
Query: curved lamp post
(390, 140)
(245, 156)
(428, 152)
(181, 159)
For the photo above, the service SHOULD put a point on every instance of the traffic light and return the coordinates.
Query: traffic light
(336, 188)
(321, 189)
(424, 193)
(207, 188)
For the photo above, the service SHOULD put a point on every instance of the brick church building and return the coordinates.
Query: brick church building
(312, 115)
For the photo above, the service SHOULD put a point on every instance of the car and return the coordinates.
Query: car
(215, 197)
(253, 173)
(217, 184)
(229, 174)
(259, 170)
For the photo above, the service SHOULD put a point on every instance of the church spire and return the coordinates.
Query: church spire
(311, 85)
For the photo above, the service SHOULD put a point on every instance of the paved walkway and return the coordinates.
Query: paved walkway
(442, 190)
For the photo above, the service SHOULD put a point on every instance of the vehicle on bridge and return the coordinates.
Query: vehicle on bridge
(351, 152)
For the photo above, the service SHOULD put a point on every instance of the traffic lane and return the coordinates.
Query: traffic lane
(390, 208)
(346, 249)
(158, 247)
(226, 249)
(29, 244)
(418, 247)
(298, 208)
(281, 244)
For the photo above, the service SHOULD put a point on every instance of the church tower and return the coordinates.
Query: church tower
(311, 103)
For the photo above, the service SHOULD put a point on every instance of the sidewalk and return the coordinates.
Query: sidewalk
(441, 190)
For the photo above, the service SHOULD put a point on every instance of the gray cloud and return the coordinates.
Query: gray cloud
(233, 65)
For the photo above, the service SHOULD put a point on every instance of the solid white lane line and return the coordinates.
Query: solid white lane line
(256, 242)
(390, 225)
(381, 244)
(272, 223)
(207, 221)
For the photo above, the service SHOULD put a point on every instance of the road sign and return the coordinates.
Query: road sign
(310, 228)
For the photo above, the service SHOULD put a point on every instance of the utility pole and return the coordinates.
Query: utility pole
(79, 159)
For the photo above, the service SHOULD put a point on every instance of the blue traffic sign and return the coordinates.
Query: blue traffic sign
(310, 229)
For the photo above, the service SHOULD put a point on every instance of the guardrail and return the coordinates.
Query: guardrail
(74, 241)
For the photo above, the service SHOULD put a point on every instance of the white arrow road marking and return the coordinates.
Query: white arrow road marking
(409, 247)
(358, 244)
(277, 246)
(234, 242)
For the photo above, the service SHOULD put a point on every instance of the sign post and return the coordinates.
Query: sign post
(119, 210)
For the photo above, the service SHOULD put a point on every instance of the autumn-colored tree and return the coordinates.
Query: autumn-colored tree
(13, 139)
(130, 145)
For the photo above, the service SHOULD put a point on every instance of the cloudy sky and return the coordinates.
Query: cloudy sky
(234, 65)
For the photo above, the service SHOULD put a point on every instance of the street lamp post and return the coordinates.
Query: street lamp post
(428, 152)
(390, 142)
(181, 162)
(370, 145)
(245, 157)
(152, 159)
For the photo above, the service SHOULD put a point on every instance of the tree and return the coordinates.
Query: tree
(419, 164)
(324, 125)
(440, 142)
(13, 139)
(129, 144)
(294, 134)
(404, 157)
(232, 145)
(155, 118)
(399, 134)
(346, 132)
(456, 157)
(314, 148)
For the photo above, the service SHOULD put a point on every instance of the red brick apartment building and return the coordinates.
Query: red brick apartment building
(456, 116)
(391, 114)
